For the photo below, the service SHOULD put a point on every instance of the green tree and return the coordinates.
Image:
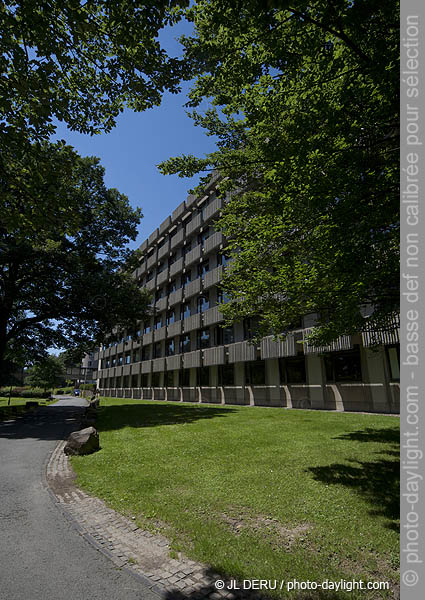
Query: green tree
(65, 273)
(47, 373)
(81, 63)
(304, 102)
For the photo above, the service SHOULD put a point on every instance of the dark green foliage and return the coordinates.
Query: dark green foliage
(305, 106)
(62, 255)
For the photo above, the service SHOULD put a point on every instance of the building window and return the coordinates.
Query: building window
(158, 322)
(224, 335)
(186, 278)
(146, 353)
(169, 378)
(113, 362)
(343, 366)
(203, 338)
(203, 303)
(107, 363)
(184, 343)
(171, 316)
(119, 359)
(170, 347)
(149, 276)
(255, 373)
(157, 350)
(248, 328)
(222, 297)
(222, 259)
(203, 268)
(226, 375)
(128, 359)
(204, 235)
(146, 328)
(203, 376)
(156, 379)
(393, 358)
(144, 380)
(161, 267)
(172, 286)
(184, 378)
(136, 356)
(159, 294)
(292, 370)
(184, 311)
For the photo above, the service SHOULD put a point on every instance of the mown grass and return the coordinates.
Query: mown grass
(17, 406)
(256, 492)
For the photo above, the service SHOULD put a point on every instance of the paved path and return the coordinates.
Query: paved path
(42, 555)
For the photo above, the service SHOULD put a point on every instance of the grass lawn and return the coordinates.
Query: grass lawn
(257, 493)
(18, 405)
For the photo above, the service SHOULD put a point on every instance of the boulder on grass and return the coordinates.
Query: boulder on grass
(84, 441)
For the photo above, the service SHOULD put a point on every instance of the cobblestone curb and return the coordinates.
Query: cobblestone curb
(143, 553)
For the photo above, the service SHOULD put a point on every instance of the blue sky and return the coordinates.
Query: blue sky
(139, 142)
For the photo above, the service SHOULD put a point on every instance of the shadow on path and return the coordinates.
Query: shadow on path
(45, 423)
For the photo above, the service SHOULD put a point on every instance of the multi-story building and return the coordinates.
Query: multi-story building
(184, 353)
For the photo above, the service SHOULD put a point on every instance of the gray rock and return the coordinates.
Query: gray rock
(84, 441)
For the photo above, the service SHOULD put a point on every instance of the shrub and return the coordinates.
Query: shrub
(88, 386)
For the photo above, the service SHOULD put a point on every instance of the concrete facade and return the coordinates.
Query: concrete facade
(184, 354)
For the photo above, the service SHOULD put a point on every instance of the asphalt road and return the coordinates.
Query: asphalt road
(42, 557)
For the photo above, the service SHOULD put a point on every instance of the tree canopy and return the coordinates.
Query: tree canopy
(65, 274)
(82, 62)
(304, 102)
(46, 373)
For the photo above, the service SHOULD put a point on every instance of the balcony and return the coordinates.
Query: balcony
(175, 297)
(271, 348)
(158, 364)
(135, 368)
(344, 342)
(164, 250)
(386, 336)
(212, 209)
(178, 212)
(193, 322)
(213, 277)
(194, 224)
(164, 225)
(213, 242)
(242, 352)
(153, 236)
(152, 260)
(126, 369)
(111, 372)
(159, 334)
(177, 239)
(174, 362)
(147, 338)
(146, 366)
(162, 277)
(174, 329)
(214, 356)
(192, 288)
(212, 316)
(150, 285)
(176, 267)
(192, 359)
(161, 304)
(190, 201)
(193, 255)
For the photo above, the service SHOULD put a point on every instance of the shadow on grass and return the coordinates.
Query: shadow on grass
(145, 415)
(377, 481)
(390, 435)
